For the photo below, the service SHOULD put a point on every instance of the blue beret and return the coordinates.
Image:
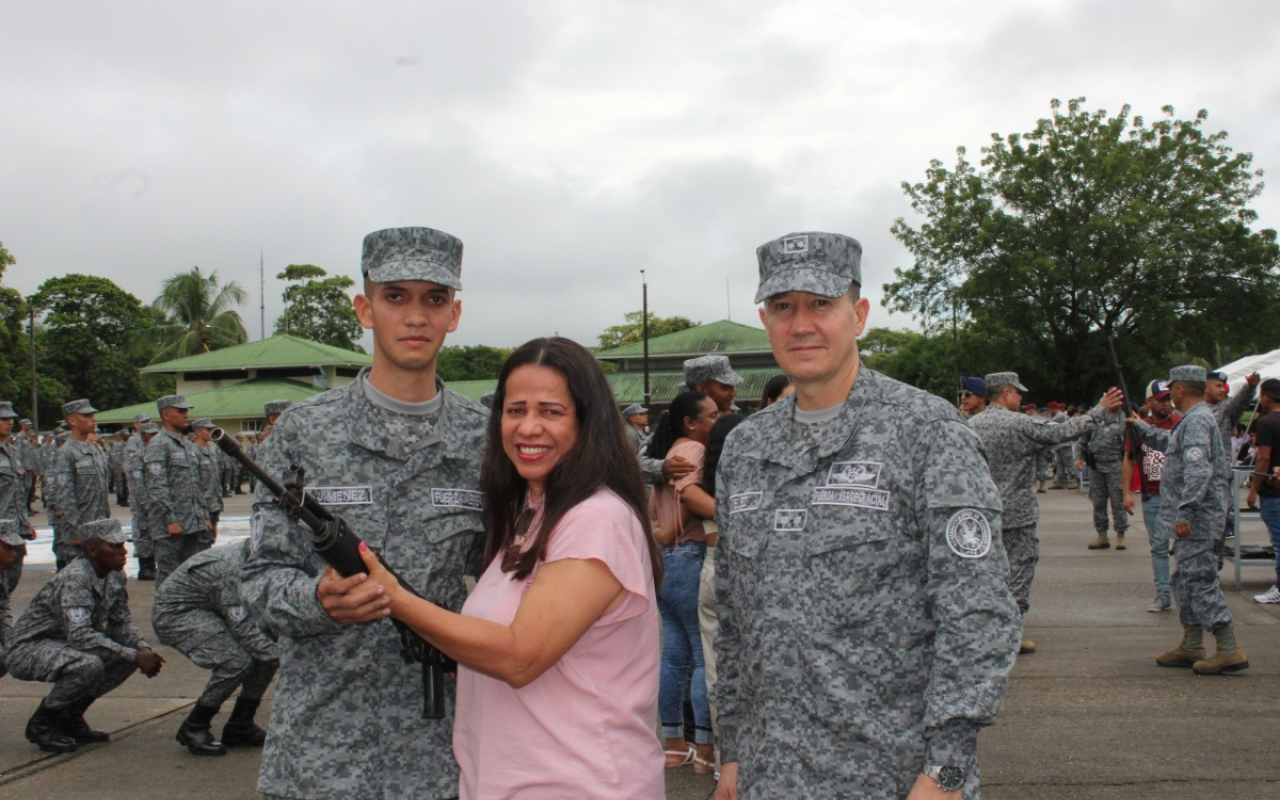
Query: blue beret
(974, 385)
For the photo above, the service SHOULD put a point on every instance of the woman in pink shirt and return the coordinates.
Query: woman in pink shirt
(558, 645)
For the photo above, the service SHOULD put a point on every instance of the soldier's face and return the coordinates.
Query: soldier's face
(1213, 391)
(110, 556)
(84, 424)
(7, 555)
(814, 338)
(6, 427)
(640, 420)
(539, 423)
(409, 320)
(722, 393)
(175, 418)
(204, 435)
(971, 402)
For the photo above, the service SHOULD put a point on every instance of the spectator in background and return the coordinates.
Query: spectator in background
(973, 396)
(637, 417)
(778, 387)
(1146, 480)
(1266, 491)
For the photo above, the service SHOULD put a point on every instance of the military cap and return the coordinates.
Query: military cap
(1004, 379)
(413, 254)
(141, 418)
(276, 407)
(173, 401)
(6, 410)
(63, 437)
(238, 435)
(203, 422)
(633, 409)
(816, 262)
(78, 407)
(108, 530)
(486, 399)
(1187, 372)
(710, 368)
(9, 533)
(974, 385)
(59, 429)
(150, 428)
(1216, 376)
(1030, 407)
(265, 429)
(123, 433)
(24, 421)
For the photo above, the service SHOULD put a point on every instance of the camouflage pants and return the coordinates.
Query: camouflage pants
(13, 574)
(1022, 547)
(143, 544)
(171, 551)
(1063, 469)
(204, 637)
(1195, 585)
(1105, 486)
(75, 674)
(64, 552)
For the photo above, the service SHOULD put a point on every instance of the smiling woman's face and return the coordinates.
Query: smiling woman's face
(539, 423)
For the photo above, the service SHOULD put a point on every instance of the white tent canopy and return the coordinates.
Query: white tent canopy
(1267, 365)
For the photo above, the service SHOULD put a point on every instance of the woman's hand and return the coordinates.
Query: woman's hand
(360, 598)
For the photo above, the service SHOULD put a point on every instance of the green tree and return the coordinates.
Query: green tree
(473, 363)
(318, 308)
(198, 317)
(1090, 226)
(89, 324)
(633, 330)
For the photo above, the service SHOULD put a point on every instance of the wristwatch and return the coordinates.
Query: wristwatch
(949, 779)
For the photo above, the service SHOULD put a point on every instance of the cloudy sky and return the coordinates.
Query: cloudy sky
(568, 144)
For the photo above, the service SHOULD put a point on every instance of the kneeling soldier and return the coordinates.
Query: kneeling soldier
(77, 634)
(198, 612)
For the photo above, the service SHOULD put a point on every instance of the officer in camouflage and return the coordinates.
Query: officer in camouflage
(115, 465)
(13, 496)
(1227, 412)
(79, 479)
(30, 460)
(199, 613)
(136, 473)
(1106, 485)
(274, 409)
(209, 477)
(10, 541)
(1014, 441)
(398, 456)
(866, 630)
(1195, 495)
(176, 512)
(78, 635)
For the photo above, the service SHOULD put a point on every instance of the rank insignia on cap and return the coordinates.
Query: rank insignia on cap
(795, 244)
(969, 534)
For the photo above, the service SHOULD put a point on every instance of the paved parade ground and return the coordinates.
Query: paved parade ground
(1089, 715)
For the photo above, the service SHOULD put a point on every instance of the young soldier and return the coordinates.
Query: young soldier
(973, 397)
(1106, 481)
(27, 453)
(713, 376)
(136, 474)
(176, 511)
(866, 631)
(398, 456)
(13, 496)
(637, 417)
(199, 613)
(77, 634)
(79, 478)
(209, 475)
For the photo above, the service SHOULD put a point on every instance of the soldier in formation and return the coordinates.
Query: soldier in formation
(27, 453)
(198, 612)
(1062, 461)
(79, 479)
(115, 463)
(136, 473)
(637, 417)
(1014, 442)
(177, 514)
(860, 580)
(78, 635)
(13, 497)
(1195, 492)
(1104, 448)
(209, 453)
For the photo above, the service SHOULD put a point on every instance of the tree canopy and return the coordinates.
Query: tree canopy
(318, 307)
(471, 363)
(1090, 226)
(199, 316)
(632, 330)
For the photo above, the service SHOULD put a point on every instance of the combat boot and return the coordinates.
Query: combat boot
(1101, 543)
(1026, 646)
(1230, 656)
(1188, 652)
(240, 730)
(42, 730)
(71, 722)
(196, 733)
(146, 569)
(1120, 541)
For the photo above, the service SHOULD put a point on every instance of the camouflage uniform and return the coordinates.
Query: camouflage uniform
(174, 494)
(115, 462)
(1013, 442)
(1106, 444)
(209, 481)
(27, 455)
(1195, 488)
(9, 534)
(136, 472)
(78, 481)
(1227, 414)
(13, 505)
(1063, 468)
(199, 613)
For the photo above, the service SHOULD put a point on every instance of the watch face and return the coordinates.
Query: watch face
(950, 779)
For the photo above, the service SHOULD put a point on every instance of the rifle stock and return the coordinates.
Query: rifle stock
(1135, 446)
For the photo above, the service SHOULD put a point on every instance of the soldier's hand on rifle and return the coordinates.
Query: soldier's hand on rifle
(350, 601)
(1112, 400)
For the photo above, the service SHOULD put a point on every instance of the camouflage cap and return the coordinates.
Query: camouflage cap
(24, 421)
(6, 410)
(173, 401)
(108, 530)
(276, 407)
(633, 409)
(821, 263)
(137, 418)
(151, 429)
(710, 368)
(413, 254)
(1187, 372)
(124, 433)
(1004, 379)
(203, 422)
(9, 533)
(78, 407)
(486, 399)
(62, 437)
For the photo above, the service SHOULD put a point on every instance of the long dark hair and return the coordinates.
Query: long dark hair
(773, 389)
(601, 457)
(715, 446)
(686, 405)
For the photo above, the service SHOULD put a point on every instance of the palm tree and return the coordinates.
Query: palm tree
(197, 317)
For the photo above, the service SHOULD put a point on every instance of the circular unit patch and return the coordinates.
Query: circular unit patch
(969, 534)
(1195, 454)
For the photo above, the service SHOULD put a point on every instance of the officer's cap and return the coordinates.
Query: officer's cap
(1216, 376)
(138, 418)
(974, 385)
(1004, 379)
(816, 262)
(633, 409)
(150, 429)
(710, 368)
(413, 254)
(276, 407)
(173, 401)
(108, 530)
(78, 407)
(203, 422)
(1187, 372)
(9, 533)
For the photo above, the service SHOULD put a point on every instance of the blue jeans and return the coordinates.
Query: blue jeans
(1271, 516)
(1159, 544)
(682, 644)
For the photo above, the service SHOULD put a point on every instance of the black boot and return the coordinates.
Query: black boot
(147, 569)
(42, 730)
(240, 730)
(71, 722)
(196, 734)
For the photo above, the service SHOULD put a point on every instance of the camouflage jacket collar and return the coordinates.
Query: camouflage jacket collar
(366, 432)
(775, 435)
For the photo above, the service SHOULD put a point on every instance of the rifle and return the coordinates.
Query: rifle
(335, 542)
(1135, 446)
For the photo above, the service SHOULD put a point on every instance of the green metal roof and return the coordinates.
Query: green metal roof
(242, 400)
(276, 352)
(472, 389)
(714, 337)
(629, 386)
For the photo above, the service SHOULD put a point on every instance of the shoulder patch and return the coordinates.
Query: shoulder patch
(969, 533)
(78, 614)
(236, 613)
(1195, 453)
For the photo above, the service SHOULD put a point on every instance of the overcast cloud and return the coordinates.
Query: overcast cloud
(569, 145)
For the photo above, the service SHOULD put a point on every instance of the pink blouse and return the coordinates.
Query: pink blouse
(586, 727)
